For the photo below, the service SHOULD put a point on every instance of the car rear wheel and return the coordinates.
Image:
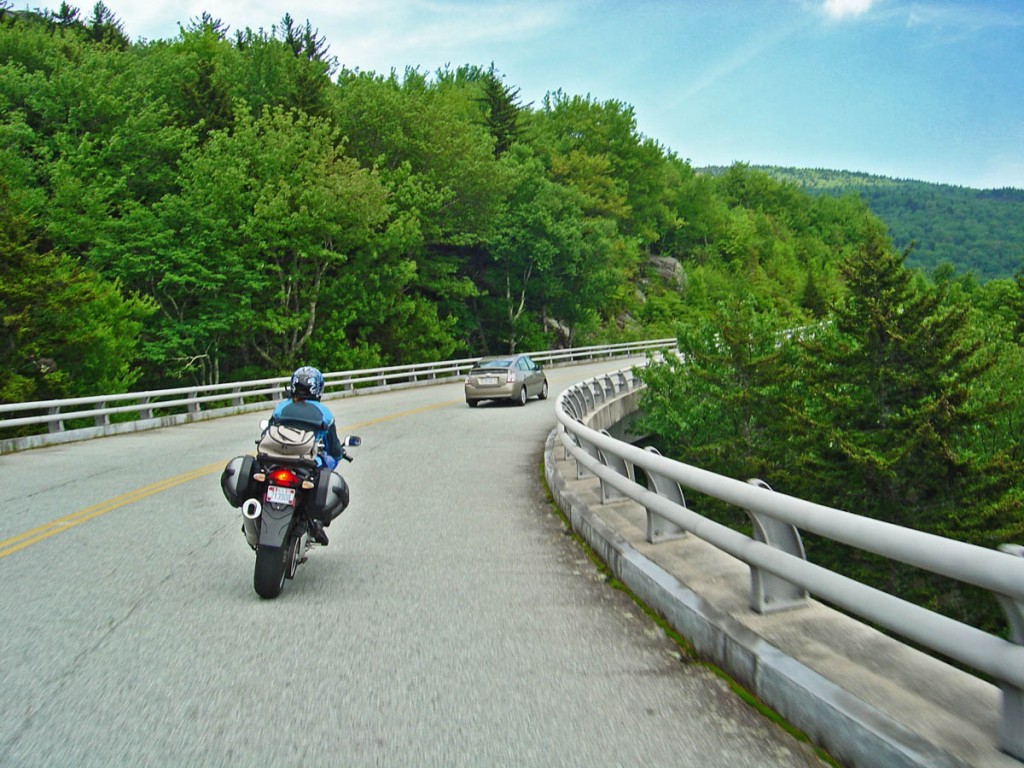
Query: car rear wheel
(472, 403)
(522, 395)
(543, 392)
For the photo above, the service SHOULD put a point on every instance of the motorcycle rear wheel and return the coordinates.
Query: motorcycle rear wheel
(269, 574)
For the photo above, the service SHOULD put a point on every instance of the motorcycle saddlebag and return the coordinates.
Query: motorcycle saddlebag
(283, 442)
(330, 497)
(236, 480)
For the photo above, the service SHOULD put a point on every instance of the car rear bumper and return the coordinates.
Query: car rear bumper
(490, 392)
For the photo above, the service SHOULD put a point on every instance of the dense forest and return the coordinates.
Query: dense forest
(229, 204)
(980, 231)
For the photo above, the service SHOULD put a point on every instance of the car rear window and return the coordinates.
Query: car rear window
(495, 364)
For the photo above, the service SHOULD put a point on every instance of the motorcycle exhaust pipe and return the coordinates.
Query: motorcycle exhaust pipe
(252, 509)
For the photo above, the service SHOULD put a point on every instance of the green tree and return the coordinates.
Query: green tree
(717, 404)
(105, 28)
(891, 383)
(539, 240)
(501, 111)
(425, 141)
(887, 417)
(287, 67)
(269, 221)
(195, 77)
(64, 331)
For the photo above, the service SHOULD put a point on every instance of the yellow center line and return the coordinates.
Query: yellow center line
(12, 545)
(61, 524)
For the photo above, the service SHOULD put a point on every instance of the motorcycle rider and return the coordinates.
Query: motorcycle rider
(303, 409)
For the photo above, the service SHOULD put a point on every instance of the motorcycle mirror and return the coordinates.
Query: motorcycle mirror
(351, 441)
(264, 423)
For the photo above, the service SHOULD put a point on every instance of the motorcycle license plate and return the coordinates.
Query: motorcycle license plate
(278, 495)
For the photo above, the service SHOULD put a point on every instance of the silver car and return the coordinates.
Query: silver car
(508, 377)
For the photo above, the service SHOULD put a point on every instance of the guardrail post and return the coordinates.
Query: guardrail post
(1011, 727)
(570, 407)
(770, 593)
(578, 403)
(569, 436)
(617, 463)
(238, 400)
(659, 528)
(588, 398)
(145, 413)
(193, 403)
(591, 451)
(57, 425)
(103, 419)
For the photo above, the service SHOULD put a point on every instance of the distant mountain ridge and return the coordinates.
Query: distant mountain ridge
(980, 231)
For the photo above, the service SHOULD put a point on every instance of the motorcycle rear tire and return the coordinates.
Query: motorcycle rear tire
(269, 574)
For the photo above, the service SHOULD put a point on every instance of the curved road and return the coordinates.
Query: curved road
(449, 623)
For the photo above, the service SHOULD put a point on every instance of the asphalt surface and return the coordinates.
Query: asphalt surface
(451, 622)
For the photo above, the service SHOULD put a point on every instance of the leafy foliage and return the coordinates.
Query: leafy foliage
(61, 325)
(242, 181)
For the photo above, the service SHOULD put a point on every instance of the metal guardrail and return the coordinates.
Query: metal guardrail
(781, 576)
(146, 410)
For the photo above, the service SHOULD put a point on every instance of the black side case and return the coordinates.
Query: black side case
(330, 497)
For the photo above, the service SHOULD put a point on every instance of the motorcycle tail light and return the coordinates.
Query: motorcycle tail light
(284, 477)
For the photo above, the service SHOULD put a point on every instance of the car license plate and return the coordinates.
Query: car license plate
(488, 380)
(278, 495)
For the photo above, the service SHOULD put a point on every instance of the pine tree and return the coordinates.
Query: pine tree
(887, 408)
(501, 111)
(891, 380)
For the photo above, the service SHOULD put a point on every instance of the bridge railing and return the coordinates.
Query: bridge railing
(80, 418)
(781, 576)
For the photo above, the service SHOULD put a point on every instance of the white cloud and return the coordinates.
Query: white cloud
(841, 9)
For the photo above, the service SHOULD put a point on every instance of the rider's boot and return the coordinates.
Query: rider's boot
(317, 532)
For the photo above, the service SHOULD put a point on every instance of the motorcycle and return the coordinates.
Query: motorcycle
(281, 492)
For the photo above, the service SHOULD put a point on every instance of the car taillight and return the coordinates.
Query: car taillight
(510, 376)
(284, 477)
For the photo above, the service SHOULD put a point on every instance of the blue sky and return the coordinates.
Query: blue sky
(922, 89)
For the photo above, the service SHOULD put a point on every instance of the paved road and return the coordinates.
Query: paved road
(449, 623)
